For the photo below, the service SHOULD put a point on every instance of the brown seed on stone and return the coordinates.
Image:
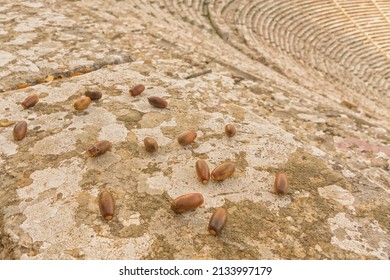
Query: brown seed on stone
(48, 78)
(99, 148)
(217, 221)
(87, 69)
(158, 102)
(150, 144)
(281, 184)
(30, 101)
(186, 202)
(222, 171)
(106, 205)
(230, 130)
(5, 123)
(20, 130)
(23, 86)
(93, 94)
(73, 74)
(137, 90)
(203, 171)
(82, 103)
(186, 137)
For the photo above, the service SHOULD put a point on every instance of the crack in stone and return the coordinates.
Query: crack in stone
(76, 71)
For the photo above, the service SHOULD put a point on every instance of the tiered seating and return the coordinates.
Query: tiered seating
(345, 40)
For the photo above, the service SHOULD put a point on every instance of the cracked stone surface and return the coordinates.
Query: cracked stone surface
(215, 62)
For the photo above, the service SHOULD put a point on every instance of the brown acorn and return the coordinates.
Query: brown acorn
(93, 94)
(217, 221)
(230, 130)
(150, 144)
(99, 148)
(30, 101)
(20, 130)
(82, 103)
(186, 202)
(23, 86)
(137, 90)
(74, 74)
(281, 183)
(5, 123)
(157, 102)
(106, 205)
(187, 137)
(203, 171)
(223, 171)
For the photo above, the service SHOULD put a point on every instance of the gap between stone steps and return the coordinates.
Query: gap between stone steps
(68, 73)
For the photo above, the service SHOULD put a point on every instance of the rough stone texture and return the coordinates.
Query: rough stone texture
(300, 102)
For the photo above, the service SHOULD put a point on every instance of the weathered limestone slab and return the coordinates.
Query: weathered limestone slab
(335, 153)
(41, 38)
(58, 168)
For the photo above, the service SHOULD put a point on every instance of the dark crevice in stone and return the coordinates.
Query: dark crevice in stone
(68, 73)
